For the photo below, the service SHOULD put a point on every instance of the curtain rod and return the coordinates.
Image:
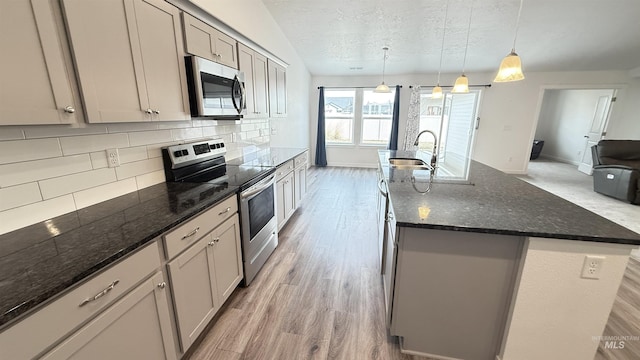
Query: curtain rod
(356, 87)
(450, 86)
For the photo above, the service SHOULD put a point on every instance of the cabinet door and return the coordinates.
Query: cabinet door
(246, 65)
(161, 45)
(106, 48)
(277, 90)
(194, 290)
(136, 327)
(261, 91)
(300, 184)
(226, 50)
(36, 84)
(227, 257)
(285, 205)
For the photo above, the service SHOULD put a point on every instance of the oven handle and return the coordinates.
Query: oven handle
(257, 188)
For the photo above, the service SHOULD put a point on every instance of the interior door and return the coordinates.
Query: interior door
(595, 132)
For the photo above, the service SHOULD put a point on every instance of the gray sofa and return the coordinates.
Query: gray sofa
(616, 169)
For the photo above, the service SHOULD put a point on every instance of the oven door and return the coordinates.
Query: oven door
(259, 226)
(217, 90)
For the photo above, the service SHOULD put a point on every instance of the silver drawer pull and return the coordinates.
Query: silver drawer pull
(162, 285)
(216, 240)
(193, 232)
(225, 211)
(100, 294)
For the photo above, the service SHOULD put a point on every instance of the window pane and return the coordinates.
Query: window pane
(338, 112)
(377, 110)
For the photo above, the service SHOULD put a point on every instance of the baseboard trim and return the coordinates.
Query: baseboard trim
(418, 353)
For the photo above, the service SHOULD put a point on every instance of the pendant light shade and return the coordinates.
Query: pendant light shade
(511, 66)
(383, 88)
(436, 93)
(462, 82)
(510, 69)
(461, 86)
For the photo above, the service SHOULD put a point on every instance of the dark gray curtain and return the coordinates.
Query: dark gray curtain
(321, 151)
(395, 122)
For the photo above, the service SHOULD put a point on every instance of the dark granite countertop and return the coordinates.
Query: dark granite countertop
(42, 260)
(273, 156)
(493, 202)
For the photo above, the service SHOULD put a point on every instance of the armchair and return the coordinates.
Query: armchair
(616, 169)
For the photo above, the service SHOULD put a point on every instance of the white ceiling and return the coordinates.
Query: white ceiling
(332, 36)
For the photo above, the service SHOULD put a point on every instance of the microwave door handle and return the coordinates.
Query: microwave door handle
(243, 101)
(236, 83)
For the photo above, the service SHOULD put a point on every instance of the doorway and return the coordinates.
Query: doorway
(571, 121)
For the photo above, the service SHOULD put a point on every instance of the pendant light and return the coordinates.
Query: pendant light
(383, 88)
(436, 93)
(511, 66)
(462, 82)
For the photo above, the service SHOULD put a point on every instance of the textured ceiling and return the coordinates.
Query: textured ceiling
(333, 36)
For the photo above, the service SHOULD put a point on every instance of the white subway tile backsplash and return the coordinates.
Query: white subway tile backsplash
(174, 125)
(210, 131)
(19, 217)
(101, 193)
(99, 159)
(155, 150)
(29, 171)
(50, 131)
(149, 137)
(90, 143)
(72, 183)
(186, 134)
(11, 133)
(25, 150)
(149, 179)
(19, 195)
(132, 154)
(138, 168)
(129, 127)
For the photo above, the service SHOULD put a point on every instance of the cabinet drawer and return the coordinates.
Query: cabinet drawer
(301, 159)
(42, 329)
(284, 169)
(184, 235)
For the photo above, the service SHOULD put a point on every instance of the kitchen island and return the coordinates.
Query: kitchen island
(492, 267)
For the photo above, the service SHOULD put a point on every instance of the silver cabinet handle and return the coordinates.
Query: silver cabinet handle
(190, 234)
(149, 111)
(210, 243)
(100, 294)
(69, 109)
(216, 240)
(225, 211)
(156, 112)
(162, 285)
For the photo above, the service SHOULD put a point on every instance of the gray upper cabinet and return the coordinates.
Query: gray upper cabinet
(129, 59)
(207, 42)
(36, 79)
(277, 90)
(254, 67)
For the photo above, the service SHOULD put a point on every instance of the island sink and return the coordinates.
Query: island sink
(409, 164)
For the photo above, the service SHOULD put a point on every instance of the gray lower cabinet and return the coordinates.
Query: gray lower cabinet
(138, 326)
(452, 291)
(203, 277)
(285, 203)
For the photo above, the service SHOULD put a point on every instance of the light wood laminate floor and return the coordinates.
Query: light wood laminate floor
(320, 294)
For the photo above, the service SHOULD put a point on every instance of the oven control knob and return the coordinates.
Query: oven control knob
(177, 153)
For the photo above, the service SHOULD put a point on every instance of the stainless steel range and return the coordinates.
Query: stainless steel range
(204, 162)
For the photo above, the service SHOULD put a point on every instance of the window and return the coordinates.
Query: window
(339, 106)
(453, 119)
(357, 116)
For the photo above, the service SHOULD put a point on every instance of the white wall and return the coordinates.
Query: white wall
(46, 171)
(565, 117)
(508, 112)
(625, 115)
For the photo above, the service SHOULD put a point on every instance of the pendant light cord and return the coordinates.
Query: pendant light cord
(444, 31)
(384, 61)
(513, 49)
(464, 62)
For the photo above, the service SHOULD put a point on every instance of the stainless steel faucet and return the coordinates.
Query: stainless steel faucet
(434, 155)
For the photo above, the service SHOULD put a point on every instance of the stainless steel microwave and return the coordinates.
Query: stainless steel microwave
(215, 91)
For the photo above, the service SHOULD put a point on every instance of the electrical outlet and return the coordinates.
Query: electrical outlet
(113, 159)
(592, 267)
